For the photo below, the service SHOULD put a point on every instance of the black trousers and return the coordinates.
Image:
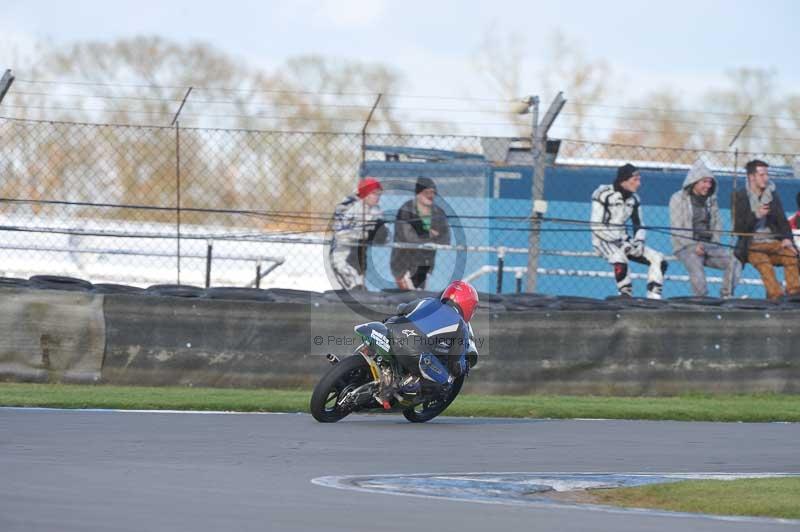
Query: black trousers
(420, 276)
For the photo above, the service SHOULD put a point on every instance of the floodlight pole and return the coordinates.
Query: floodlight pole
(538, 151)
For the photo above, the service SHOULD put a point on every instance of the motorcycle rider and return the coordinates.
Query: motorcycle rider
(434, 338)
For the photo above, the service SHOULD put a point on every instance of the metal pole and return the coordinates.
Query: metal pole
(733, 187)
(736, 136)
(366, 124)
(209, 253)
(536, 191)
(178, 191)
(185, 97)
(500, 262)
(539, 143)
(5, 84)
(258, 274)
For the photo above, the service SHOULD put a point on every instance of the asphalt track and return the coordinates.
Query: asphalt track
(87, 471)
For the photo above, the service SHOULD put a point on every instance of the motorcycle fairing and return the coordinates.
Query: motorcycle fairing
(377, 335)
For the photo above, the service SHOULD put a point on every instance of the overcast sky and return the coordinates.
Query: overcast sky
(686, 45)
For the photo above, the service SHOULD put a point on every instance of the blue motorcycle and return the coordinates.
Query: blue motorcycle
(416, 366)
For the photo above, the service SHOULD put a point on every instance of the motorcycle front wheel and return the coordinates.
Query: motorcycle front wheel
(347, 375)
(430, 409)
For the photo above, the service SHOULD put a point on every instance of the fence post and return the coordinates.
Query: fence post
(538, 151)
(366, 125)
(741, 129)
(209, 253)
(5, 84)
(501, 254)
(734, 184)
(178, 193)
(178, 174)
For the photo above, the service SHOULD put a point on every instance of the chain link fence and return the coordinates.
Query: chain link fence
(171, 205)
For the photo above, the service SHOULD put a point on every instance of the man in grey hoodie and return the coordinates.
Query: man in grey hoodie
(696, 230)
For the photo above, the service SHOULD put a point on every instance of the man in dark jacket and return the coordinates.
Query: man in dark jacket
(419, 221)
(765, 239)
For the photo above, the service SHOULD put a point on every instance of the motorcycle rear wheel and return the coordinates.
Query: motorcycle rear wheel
(347, 375)
(430, 409)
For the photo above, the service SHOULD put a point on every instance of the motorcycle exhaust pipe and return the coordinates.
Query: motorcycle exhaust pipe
(333, 359)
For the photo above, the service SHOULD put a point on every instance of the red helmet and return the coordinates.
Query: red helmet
(464, 296)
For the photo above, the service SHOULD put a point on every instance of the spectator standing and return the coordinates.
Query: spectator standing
(696, 229)
(357, 223)
(612, 207)
(765, 239)
(419, 221)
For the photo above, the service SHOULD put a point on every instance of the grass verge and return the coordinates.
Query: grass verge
(754, 407)
(760, 497)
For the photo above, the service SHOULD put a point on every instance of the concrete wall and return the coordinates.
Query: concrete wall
(55, 336)
(51, 335)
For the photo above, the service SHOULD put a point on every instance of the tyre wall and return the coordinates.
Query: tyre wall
(528, 345)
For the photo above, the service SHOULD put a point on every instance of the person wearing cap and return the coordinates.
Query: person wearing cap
(765, 238)
(419, 221)
(357, 222)
(612, 207)
(696, 228)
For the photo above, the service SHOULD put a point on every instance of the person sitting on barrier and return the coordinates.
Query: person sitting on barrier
(419, 221)
(436, 342)
(794, 223)
(357, 222)
(696, 227)
(612, 207)
(765, 238)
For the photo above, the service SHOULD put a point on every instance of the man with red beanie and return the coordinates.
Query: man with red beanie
(357, 222)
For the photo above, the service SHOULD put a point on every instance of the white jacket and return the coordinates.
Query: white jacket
(611, 211)
(354, 220)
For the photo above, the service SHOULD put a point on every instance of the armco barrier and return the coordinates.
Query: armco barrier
(530, 343)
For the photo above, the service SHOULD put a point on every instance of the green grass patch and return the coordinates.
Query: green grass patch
(753, 407)
(153, 397)
(750, 407)
(760, 497)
